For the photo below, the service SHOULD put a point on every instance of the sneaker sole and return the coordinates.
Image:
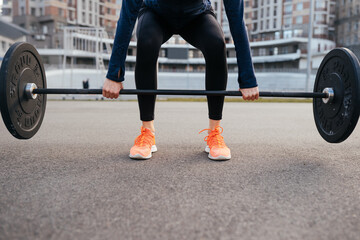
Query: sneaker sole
(141, 157)
(219, 158)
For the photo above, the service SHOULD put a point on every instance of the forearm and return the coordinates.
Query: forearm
(124, 29)
(235, 11)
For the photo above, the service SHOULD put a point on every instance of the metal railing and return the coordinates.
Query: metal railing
(132, 69)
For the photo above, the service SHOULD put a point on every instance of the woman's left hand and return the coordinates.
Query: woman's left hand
(250, 93)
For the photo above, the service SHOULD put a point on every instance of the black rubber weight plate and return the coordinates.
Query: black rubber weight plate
(339, 70)
(21, 65)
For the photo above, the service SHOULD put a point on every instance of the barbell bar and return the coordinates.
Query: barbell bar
(31, 90)
(336, 96)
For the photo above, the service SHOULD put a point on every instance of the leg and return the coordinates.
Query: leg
(151, 33)
(205, 33)
(213, 124)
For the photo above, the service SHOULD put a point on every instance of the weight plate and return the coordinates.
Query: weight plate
(21, 65)
(340, 71)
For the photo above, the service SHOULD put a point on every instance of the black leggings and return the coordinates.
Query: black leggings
(204, 33)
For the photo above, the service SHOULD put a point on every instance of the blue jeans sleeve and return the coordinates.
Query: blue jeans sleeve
(124, 29)
(235, 13)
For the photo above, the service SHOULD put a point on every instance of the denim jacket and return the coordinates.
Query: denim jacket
(125, 26)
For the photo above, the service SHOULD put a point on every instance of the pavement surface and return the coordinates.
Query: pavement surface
(74, 180)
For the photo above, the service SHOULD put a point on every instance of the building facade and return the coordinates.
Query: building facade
(9, 34)
(45, 19)
(6, 11)
(278, 19)
(348, 23)
(281, 19)
(279, 30)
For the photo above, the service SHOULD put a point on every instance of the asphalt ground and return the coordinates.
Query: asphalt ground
(74, 179)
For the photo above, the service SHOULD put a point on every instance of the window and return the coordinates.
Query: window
(287, 21)
(255, 4)
(276, 51)
(319, 31)
(262, 51)
(277, 35)
(33, 27)
(287, 34)
(288, 9)
(299, 20)
(320, 18)
(320, 4)
(299, 6)
(22, 11)
(33, 11)
(255, 27)
(255, 15)
(298, 33)
(61, 12)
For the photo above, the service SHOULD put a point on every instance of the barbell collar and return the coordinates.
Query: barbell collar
(331, 95)
(29, 90)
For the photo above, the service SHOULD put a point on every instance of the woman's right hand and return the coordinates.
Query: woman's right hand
(111, 89)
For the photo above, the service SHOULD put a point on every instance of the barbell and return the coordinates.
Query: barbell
(336, 96)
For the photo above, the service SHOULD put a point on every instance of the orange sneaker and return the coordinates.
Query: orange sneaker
(144, 145)
(216, 146)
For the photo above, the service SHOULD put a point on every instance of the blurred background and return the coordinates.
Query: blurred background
(288, 39)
